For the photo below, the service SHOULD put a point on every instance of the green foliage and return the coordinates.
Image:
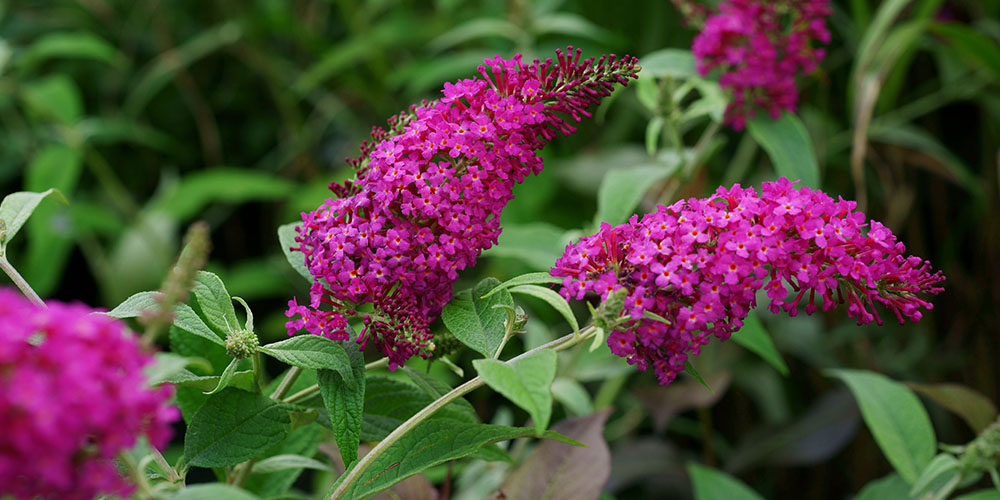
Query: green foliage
(15, 210)
(711, 484)
(754, 337)
(474, 318)
(345, 403)
(233, 426)
(787, 143)
(895, 418)
(315, 352)
(525, 381)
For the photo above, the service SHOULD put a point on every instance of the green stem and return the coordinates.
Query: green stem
(313, 389)
(138, 476)
(286, 383)
(243, 473)
(167, 469)
(362, 465)
(20, 282)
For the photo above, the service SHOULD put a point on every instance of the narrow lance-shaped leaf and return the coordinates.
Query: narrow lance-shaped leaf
(288, 462)
(525, 279)
(133, 306)
(896, 419)
(227, 376)
(712, 484)
(788, 144)
(754, 337)
(345, 404)
(552, 298)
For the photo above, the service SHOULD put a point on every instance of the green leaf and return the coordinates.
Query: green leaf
(226, 379)
(552, 298)
(622, 189)
(654, 129)
(221, 184)
(213, 491)
(313, 351)
(573, 396)
(215, 302)
(243, 379)
(788, 144)
(167, 365)
(233, 426)
(434, 441)
(435, 388)
(537, 244)
(296, 259)
(895, 418)
(940, 470)
(976, 409)
(672, 63)
(249, 324)
(474, 319)
(712, 484)
(974, 46)
(390, 402)
(186, 319)
(54, 98)
(890, 486)
(754, 337)
(135, 305)
(17, 207)
(345, 405)
(69, 45)
(689, 368)
(526, 382)
(526, 279)
(286, 462)
(304, 442)
(981, 495)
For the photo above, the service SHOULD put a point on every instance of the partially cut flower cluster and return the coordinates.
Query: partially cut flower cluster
(698, 264)
(428, 195)
(760, 46)
(72, 396)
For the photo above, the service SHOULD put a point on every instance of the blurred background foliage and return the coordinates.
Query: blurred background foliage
(149, 115)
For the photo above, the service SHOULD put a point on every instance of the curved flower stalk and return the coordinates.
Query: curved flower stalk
(691, 271)
(760, 46)
(72, 396)
(428, 194)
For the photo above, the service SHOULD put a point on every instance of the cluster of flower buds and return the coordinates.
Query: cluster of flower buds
(692, 269)
(428, 193)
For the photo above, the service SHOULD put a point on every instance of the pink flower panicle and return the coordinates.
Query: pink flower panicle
(760, 46)
(699, 263)
(72, 396)
(428, 193)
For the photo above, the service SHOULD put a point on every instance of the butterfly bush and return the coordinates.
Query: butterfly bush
(691, 271)
(759, 46)
(428, 194)
(72, 396)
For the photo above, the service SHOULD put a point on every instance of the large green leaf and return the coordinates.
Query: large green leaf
(525, 381)
(895, 418)
(474, 320)
(623, 188)
(976, 409)
(133, 306)
(297, 259)
(221, 184)
(17, 207)
(754, 336)
(788, 144)
(345, 405)
(712, 484)
(215, 302)
(432, 442)
(390, 402)
(233, 426)
(313, 351)
(552, 298)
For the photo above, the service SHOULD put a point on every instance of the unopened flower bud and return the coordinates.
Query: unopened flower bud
(242, 344)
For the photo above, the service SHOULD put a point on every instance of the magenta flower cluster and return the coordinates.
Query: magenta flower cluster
(428, 194)
(72, 396)
(698, 264)
(760, 46)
